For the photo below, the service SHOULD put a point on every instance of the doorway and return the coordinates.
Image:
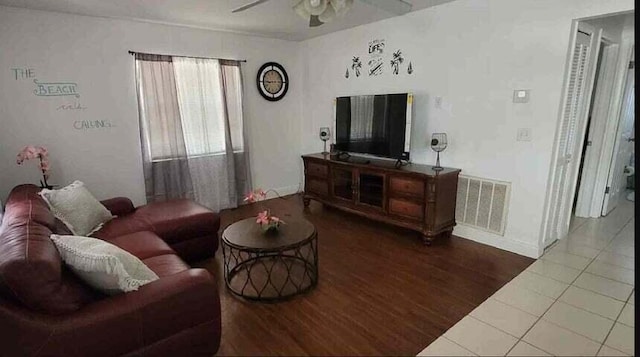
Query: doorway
(620, 182)
(586, 142)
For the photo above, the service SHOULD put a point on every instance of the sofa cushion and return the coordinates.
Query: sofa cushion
(31, 271)
(76, 207)
(103, 265)
(179, 220)
(142, 244)
(119, 206)
(165, 265)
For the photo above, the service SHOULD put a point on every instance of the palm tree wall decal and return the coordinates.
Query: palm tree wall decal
(396, 61)
(356, 64)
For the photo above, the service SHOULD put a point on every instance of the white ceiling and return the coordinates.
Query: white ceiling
(274, 18)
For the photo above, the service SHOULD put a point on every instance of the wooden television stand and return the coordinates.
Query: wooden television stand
(412, 196)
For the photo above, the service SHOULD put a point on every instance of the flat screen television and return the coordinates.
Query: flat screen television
(377, 125)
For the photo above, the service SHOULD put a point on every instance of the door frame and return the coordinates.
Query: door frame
(547, 235)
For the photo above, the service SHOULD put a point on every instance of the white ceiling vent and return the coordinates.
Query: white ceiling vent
(482, 203)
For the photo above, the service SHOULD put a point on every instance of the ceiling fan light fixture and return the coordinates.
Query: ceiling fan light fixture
(327, 15)
(315, 7)
(301, 10)
(310, 10)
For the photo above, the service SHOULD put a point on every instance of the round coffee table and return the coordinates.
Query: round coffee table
(270, 266)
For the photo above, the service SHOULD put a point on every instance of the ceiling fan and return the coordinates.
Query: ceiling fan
(319, 12)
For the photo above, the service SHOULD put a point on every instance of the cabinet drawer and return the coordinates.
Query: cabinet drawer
(317, 186)
(407, 186)
(405, 208)
(318, 170)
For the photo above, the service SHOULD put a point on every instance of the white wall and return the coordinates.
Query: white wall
(473, 54)
(93, 53)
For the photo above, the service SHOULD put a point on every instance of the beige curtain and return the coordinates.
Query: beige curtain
(233, 103)
(164, 154)
(198, 122)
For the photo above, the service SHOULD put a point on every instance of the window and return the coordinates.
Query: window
(206, 94)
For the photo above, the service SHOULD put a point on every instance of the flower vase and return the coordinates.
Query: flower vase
(270, 228)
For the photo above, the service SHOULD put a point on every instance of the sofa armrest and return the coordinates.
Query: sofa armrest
(136, 319)
(119, 206)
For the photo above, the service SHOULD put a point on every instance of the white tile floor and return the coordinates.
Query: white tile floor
(576, 300)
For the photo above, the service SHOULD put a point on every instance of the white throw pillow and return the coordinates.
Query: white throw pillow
(76, 207)
(102, 265)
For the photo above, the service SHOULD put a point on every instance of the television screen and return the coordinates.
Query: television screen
(373, 124)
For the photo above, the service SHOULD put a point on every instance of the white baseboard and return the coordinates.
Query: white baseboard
(497, 241)
(283, 191)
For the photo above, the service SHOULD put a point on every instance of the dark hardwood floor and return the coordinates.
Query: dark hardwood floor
(380, 290)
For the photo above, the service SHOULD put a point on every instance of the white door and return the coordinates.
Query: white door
(617, 181)
(570, 135)
(599, 112)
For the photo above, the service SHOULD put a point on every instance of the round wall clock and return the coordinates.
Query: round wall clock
(272, 81)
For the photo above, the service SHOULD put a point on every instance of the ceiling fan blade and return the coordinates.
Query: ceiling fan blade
(397, 7)
(314, 21)
(249, 5)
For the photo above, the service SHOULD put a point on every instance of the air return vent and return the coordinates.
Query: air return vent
(482, 203)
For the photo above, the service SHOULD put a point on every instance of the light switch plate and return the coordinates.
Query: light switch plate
(521, 96)
(524, 134)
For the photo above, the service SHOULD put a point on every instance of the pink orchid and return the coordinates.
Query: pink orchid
(30, 152)
(263, 217)
(250, 197)
(45, 165)
(36, 152)
(255, 195)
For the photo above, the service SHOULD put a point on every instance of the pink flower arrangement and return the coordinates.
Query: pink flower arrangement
(37, 152)
(255, 196)
(264, 218)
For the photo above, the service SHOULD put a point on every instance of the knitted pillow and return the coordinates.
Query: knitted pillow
(102, 265)
(76, 207)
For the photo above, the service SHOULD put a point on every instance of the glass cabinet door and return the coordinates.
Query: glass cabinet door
(343, 183)
(371, 189)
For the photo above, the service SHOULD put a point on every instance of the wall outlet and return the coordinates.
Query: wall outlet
(524, 134)
(521, 96)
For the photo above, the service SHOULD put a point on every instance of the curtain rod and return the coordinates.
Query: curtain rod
(156, 54)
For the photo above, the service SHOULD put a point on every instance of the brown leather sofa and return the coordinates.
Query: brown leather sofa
(45, 310)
